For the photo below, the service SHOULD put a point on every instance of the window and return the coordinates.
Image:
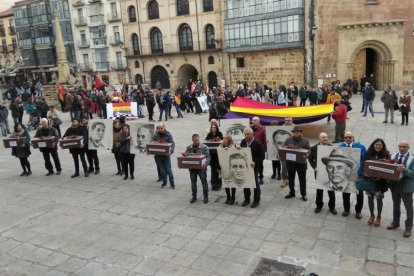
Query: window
(117, 35)
(185, 38)
(153, 12)
(135, 44)
(210, 60)
(208, 5)
(83, 41)
(119, 63)
(21, 16)
(25, 38)
(14, 43)
(136, 64)
(210, 40)
(98, 35)
(42, 36)
(238, 9)
(114, 11)
(86, 64)
(240, 62)
(132, 15)
(4, 45)
(45, 57)
(182, 7)
(156, 41)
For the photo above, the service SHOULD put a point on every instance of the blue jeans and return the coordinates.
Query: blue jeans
(368, 104)
(3, 128)
(162, 110)
(203, 177)
(164, 163)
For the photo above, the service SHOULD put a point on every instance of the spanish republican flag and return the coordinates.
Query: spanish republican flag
(98, 82)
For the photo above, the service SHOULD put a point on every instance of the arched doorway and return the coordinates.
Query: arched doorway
(185, 73)
(158, 73)
(212, 79)
(138, 79)
(373, 59)
(367, 63)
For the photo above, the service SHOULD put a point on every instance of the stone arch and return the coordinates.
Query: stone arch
(385, 62)
(185, 73)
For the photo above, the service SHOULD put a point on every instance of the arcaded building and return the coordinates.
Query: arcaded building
(173, 41)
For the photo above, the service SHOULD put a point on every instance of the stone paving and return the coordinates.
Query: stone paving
(103, 225)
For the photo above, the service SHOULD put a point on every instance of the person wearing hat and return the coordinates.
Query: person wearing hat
(350, 142)
(338, 174)
(236, 131)
(297, 141)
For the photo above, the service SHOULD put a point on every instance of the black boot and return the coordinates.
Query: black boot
(205, 198)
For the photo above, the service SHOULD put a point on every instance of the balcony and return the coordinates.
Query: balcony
(114, 41)
(99, 42)
(113, 17)
(80, 21)
(83, 43)
(78, 3)
(95, 1)
(102, 66)
(96, 20)
(12, 47)
(3, 49)
(85, 67)
(118, 65)
(2, 32)
(12, 30)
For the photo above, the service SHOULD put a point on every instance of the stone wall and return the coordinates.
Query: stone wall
(269, 67)
(337, 46)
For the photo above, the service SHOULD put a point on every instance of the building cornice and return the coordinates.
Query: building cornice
(370, 24)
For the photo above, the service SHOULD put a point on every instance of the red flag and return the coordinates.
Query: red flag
(98, 82)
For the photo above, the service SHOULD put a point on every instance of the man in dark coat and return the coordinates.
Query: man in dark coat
(76, 130)
(258, 155)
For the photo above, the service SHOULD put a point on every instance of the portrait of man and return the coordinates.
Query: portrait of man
(142, 135)
(100, 136)
(97, 134)
(235, 128)
(276, 137)
(338, 169)
(236, 170)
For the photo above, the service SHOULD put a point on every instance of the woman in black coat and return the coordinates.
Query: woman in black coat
(216, 136)
(22, 152)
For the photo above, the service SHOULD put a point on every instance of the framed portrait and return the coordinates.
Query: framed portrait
(337, 168)
(236, 169)
(276, 137)
(100, 134)
(235, 128)
(202, 100)
(141, 134)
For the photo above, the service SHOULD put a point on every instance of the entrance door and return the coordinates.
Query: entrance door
(158, 73)
(212, 79)
(138, 79)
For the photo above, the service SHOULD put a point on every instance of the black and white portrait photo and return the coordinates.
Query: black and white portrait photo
(100, 134)
(236, 169)
(337, 168)
(276, 137)
(235, 128)
(141, 134)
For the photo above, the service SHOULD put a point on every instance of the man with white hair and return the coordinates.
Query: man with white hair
(46, 131)
(258, 155)
(350, 142)
(404, 188)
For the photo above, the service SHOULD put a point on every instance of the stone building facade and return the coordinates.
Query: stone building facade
(8, 38)
(265, 41)
(363, 37)
(173, 41)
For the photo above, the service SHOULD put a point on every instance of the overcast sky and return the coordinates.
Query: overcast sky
(5, 4)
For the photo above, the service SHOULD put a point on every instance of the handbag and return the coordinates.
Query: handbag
(57, 122)
(396, 106)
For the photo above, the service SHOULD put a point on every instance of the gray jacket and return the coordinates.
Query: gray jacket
(389, 98)
(4, 113)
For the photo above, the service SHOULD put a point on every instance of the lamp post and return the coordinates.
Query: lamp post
(312, 39)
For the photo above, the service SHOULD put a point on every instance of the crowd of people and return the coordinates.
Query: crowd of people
(82, 104)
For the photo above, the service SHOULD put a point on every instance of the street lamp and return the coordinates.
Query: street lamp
(312, 39)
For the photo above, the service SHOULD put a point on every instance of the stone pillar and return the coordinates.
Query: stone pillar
(392, 73)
